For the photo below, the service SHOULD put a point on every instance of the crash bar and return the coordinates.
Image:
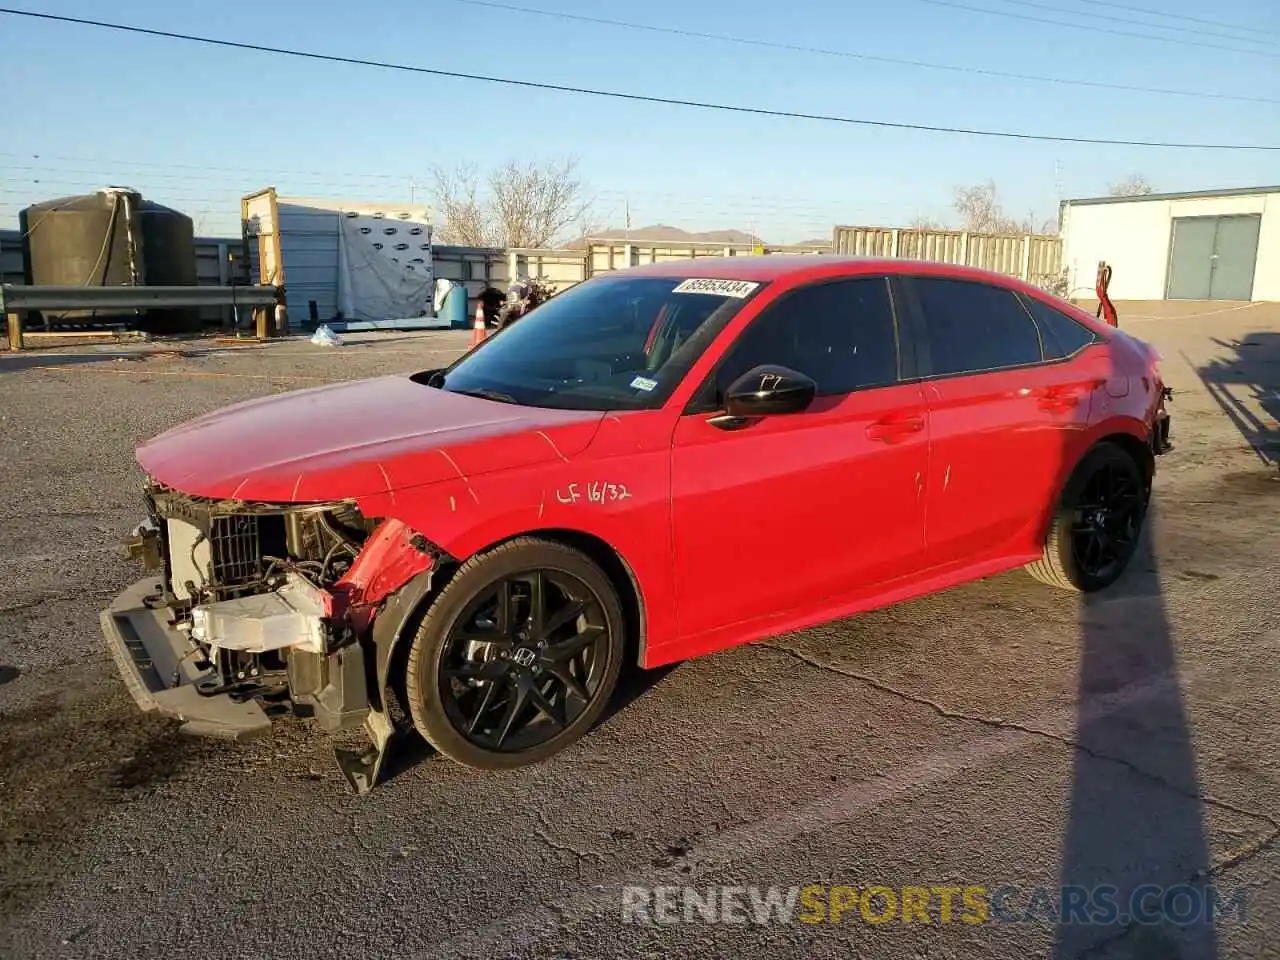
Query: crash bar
(16, 299)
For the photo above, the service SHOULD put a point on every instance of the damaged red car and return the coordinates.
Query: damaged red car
(658, 463)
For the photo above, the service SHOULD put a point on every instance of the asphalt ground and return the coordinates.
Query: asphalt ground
(1002, 735)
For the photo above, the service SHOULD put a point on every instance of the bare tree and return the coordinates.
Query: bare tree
(980, 211)
(1134, 185)
(534, 203)
(525, 204)
(466, 222)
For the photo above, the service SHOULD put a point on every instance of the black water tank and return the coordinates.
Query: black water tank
(111, 238)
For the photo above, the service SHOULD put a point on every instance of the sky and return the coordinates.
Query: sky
(196, 127)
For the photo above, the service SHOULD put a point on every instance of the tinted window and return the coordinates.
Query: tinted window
(974, 327)
(1062, 336)
(841, 334)
(614, 342)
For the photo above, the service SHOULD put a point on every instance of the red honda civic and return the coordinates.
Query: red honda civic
(658, 463)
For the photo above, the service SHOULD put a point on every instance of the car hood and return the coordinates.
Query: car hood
(357, 439)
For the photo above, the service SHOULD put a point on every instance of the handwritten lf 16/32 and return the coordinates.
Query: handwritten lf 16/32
(594, 491)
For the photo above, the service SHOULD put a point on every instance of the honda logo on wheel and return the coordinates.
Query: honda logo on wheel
(524, 657)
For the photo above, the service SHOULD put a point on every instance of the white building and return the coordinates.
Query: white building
(1212, 245)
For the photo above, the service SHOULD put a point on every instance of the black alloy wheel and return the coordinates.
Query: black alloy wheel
(1097, 525)
(517, 657)
(1107, 521)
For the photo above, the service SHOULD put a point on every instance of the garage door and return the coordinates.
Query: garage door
(1213, 258)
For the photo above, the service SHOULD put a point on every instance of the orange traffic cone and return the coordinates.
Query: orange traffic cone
(479, 330)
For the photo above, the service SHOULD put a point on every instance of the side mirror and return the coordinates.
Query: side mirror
(769, 390)
(430, 378)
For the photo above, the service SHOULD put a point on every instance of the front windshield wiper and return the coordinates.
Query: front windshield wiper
(487, 395)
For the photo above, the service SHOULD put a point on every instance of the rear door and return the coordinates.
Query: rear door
(794, 511)
(1004, 414)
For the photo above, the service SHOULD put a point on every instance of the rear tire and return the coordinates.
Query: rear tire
(1096, 525)
(517, 657)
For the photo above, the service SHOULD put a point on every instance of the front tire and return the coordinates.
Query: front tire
(517, 657)
(1095, 528)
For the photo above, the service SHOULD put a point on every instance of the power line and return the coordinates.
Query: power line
(1095, 29)
(637, 97)
(1199, 30)
(205, 168)
(1176, 16)
(53, 177)
(54, 174)
(850, 55)
(665, 205)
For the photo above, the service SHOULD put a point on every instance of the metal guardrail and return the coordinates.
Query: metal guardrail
(17, 299)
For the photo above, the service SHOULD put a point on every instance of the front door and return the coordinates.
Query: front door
(794, 511)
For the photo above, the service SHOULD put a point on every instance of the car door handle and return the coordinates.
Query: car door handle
(893, 429)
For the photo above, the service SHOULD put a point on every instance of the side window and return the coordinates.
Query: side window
(1063, 337)
(973, 327)
(841, 334)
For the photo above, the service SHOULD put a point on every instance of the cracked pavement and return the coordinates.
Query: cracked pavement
(999, 734)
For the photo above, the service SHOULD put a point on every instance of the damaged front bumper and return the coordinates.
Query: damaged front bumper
(167, 672)
(253, 611)
(160, 666)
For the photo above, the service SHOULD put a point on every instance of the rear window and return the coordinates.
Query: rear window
(1063, 337)
(974, 327)
(614, 342)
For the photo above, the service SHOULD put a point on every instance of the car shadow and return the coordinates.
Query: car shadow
(1135, 819)
(408, 750)
(632, 685)
(1135, 853)
(1254, 373)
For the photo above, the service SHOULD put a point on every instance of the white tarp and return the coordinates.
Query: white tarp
(384, 265)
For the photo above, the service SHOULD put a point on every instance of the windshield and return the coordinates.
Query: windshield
(614, 342)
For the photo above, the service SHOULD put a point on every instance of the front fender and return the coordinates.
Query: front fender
(625, 506)
(619, 494)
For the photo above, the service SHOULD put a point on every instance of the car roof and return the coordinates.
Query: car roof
(797, 266)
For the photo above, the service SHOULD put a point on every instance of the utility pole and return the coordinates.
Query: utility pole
(413, 186)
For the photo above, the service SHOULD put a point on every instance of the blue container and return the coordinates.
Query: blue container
(454, 308)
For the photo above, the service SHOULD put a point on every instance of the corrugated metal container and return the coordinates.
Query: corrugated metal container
(325, 250)
(606, 255)
(1031, 257)
(865, 242)
(941, 246)
(11, 257)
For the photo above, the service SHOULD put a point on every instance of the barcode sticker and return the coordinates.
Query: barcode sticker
(738, 289)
